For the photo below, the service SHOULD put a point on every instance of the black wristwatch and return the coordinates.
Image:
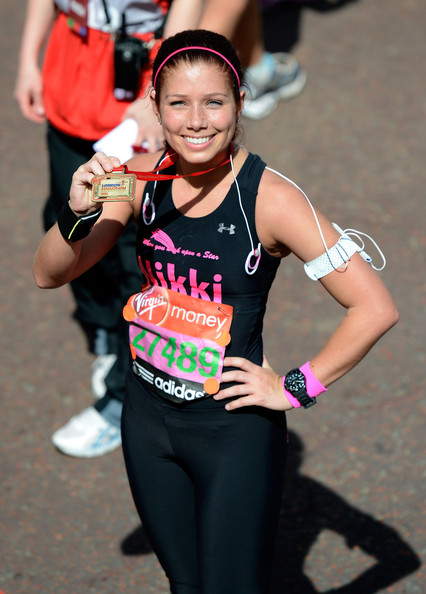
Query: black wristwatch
(295, 383)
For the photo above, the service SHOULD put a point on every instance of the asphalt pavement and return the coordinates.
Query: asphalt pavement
(353, 511)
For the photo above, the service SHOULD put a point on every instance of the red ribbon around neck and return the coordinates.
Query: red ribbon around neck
(169, 159)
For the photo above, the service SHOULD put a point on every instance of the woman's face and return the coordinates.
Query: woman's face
(198, 111)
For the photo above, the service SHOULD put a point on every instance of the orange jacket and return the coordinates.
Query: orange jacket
(78, 81)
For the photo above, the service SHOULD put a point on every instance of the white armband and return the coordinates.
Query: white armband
(338, 256)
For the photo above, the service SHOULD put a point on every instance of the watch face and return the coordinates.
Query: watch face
(294, 381)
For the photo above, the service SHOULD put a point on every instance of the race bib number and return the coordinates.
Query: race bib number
(178, 342)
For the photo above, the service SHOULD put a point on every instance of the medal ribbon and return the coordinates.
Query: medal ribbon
(169, 159)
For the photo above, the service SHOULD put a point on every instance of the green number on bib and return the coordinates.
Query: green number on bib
(169, 351)
(209, 358)
(190, 357)
(137, 339)
(153, 344)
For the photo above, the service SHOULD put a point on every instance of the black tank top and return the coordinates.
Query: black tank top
(205, 257)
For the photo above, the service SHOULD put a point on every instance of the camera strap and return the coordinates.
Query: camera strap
(107, 16)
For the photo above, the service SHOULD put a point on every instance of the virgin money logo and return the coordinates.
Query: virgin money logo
(152, 305)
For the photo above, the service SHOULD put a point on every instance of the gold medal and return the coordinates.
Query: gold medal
(114, 187)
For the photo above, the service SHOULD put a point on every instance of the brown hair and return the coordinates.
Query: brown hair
(187, 46)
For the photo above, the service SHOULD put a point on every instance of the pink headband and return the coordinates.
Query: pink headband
(197, 47)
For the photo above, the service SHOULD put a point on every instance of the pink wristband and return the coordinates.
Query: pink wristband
(313, 386)
(293, 401)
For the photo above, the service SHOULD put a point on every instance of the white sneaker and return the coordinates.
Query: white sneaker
(101, 366)
(87, 435)
(286, 80)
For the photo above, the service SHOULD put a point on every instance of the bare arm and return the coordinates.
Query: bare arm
(286, 223)
(183, 14)
(240, 21)
(223, 16)
(58, 261)
(28, 88)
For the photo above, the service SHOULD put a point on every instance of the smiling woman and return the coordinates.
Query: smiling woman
(199, 126)
(203, 424)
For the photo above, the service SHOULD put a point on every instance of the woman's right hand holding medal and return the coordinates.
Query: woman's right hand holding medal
(81, 188)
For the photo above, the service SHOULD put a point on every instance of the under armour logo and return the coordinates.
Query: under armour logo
(222, 228)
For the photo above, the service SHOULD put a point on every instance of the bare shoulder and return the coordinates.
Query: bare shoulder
(281, 208)
(276, 189)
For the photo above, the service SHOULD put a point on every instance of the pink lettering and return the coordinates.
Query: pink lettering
(197, 290)
(210, 256)
(160, 275)
(175, 285)
(217, 288)
(168, 280)
(147, 272)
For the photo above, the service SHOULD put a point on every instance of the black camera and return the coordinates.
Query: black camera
(130, 55)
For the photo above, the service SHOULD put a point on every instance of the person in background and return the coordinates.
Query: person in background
(204, 417)
(87, 85)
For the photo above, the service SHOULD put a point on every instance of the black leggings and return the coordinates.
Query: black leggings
(207, 486)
